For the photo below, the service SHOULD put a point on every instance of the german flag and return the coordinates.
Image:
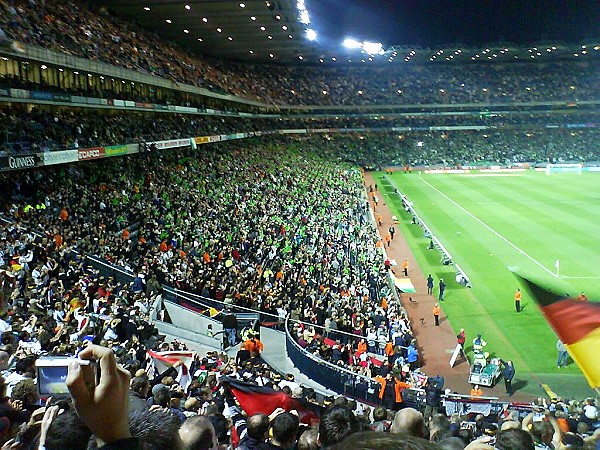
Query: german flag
(577, 324)
(261, 399)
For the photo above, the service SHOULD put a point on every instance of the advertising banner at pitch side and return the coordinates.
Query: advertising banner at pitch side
(18, 162)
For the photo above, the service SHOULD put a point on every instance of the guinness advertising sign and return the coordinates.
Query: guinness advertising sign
(18, 162)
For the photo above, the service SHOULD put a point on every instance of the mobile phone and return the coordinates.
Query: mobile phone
(52, 374)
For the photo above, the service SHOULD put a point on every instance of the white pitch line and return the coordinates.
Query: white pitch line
(579, 278)
(489, 228)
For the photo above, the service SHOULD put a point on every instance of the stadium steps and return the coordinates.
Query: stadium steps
(195, 341)
(188, 327)
(275, 354)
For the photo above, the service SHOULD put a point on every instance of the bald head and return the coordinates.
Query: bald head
(410, 421)
(192, 404)
(258, 427)
(198, 433)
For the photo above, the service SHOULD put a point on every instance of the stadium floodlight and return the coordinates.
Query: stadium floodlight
(304, 17)
(352, 43)
(372, 48)
(311, 34)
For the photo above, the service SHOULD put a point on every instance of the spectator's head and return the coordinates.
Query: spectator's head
(168, 381)
(438, 422)
(285, 428)
(140, 385)
(583, 428)
(410, 421)
(380, 413)
(4, 357)
(192, 404)
(376, 440)
(198, 433)
(8, 338)
(451, 443)
(514, 439)
(542, 432)
(309, 440)
(26, 391)
(206, 394)
(157, 430)
(336, 424)
(341, 401)
(26, 366)
(572, 440)
(67, 431)
(258, 427)
(162, 398)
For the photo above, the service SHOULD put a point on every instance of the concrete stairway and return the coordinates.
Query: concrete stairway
(275, 354)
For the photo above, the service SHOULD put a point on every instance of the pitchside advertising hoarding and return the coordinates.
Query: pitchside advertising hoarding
(85, 154)
(206, 139)
(201, 140)
(18, 162)
(115, 150)
(60, 157)
(174, 143)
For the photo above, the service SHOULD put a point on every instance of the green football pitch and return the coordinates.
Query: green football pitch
(490, 223)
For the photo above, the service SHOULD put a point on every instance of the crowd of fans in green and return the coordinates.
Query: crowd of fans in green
(280, 225)
(256, 224)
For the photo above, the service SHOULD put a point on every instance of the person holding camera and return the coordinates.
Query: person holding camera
(103, 407)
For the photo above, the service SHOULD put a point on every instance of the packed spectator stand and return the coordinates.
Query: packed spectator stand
(277, 225)
(76, 29)
(537, 138)
(161, 246)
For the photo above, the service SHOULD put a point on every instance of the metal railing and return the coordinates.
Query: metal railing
(336, 378)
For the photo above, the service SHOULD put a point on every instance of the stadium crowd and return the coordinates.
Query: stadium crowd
(281, 226)
(463, 148)
(86, 31)
(41, 130)
(252, 237)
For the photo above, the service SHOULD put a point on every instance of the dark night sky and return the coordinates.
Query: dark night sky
(429, 23)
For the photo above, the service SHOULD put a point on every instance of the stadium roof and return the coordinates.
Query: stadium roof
(244, 30)
(272, 31)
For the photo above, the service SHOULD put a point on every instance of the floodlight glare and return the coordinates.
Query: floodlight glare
(372, 48)
(311, 35)
(304, 17)
(351, 43)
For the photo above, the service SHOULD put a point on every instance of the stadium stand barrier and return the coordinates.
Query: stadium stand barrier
(336, 378)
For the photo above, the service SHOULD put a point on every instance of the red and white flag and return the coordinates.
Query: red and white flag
(161, 361)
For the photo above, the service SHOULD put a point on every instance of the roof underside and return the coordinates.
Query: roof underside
(241, 38)
(269, 32)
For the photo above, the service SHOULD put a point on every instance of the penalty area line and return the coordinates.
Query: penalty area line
(539, 264)
(578, 278)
